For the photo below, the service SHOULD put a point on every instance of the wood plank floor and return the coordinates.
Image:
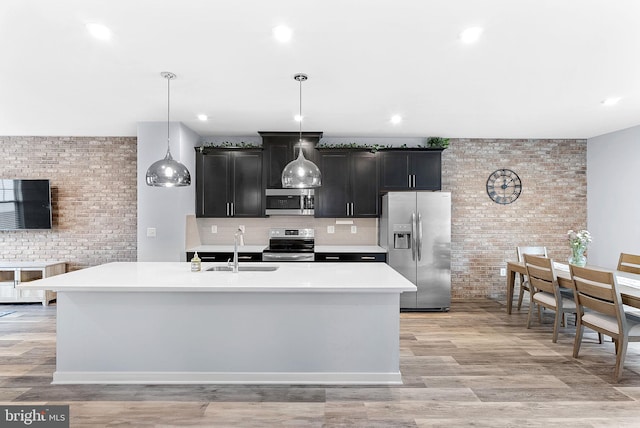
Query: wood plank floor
(473, 366)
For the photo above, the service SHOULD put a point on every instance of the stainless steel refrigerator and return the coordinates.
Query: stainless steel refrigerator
(415, 228)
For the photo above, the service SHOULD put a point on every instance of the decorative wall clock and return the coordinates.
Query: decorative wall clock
(504, 186)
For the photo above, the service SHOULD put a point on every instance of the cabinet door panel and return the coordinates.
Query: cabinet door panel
(364, 184)
(333, 196)
(427, 168)
(213, 184)
(247, 189)
(394, 171)
(277, 156)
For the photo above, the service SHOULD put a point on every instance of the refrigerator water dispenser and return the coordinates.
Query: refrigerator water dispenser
(401, 241)
(402, 236)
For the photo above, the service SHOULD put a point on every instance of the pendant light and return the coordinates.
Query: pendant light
(301, 172)
(168, 172)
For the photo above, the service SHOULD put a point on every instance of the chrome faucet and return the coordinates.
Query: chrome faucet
(235, 249)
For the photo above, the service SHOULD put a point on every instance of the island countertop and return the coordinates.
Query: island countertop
(177, 276)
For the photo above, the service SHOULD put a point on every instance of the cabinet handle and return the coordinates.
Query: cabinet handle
(409, 180)
(233, 208)
(367, 258)
(352, 209)
(414, 180)
(332, 258)
(347, 204)
(205, 258)
(245, 257)
(227, 209)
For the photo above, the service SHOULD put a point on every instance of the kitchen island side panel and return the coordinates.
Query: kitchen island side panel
(230, 337)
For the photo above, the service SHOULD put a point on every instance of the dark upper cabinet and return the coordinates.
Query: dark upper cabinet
(280, 148)
(349, 184)
(410, 170)
(229, 183)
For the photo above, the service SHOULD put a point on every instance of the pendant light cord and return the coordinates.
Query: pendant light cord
(300, 115)
(168, 111)
(169, 76)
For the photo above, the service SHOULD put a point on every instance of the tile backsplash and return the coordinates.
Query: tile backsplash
(199, 230)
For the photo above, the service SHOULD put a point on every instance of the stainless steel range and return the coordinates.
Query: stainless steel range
(290, 245)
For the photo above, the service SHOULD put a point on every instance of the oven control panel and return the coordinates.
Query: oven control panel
(282, 232)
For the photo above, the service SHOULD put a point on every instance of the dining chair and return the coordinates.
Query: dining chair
(629, 263)
(600, 308)
(544, 291)
(524, 281)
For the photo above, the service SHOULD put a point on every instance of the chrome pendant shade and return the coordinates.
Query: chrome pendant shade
(168, 172)
(301, 173)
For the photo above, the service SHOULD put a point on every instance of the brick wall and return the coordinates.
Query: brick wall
(485, 234)
(93, 182)
(94, 196)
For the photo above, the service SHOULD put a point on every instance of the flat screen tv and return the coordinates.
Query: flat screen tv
(25, 204)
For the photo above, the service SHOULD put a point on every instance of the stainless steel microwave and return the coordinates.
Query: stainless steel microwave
(289, 201)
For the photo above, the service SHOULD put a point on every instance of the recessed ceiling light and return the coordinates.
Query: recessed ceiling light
(99, 31)
(298, 118)
(396, 119)
(203, 117)
(471, 35)
(610, 101)
(282, 33)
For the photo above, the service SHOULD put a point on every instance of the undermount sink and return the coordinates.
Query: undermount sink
(243, 268)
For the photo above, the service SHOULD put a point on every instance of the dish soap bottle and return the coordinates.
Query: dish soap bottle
(196, 263)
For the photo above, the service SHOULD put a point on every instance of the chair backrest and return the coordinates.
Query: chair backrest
(536, 251)
(597, 290)
(629, 263)
(541, 274)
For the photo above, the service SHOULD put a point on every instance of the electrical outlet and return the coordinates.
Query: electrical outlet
(331, 229)
(214, 229)
(503, 271)
(241, 227)
(151, 232)
(354, 229)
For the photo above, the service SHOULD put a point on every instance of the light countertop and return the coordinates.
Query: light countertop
(177, 277)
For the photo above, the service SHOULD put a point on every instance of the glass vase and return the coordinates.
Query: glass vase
(577, 256)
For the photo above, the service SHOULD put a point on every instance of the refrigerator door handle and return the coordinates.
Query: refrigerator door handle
(419, 236)
(413, 236)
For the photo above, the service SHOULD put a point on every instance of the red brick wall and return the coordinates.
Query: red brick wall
(485, 234)
(93, 182)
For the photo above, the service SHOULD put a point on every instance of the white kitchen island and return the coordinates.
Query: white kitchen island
(305, 323)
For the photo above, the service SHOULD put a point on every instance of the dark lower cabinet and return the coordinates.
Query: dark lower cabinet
(410, 170)
(349, 184)
(229, 183)
(351, 257)
(319, 257)
(223, 257)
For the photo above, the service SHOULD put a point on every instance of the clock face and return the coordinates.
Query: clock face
(504, 186)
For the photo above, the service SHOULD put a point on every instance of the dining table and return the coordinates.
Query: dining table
(628, 283)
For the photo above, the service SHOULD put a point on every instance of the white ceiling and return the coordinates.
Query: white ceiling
(540, 70)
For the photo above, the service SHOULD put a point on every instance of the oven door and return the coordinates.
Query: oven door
(287, 257)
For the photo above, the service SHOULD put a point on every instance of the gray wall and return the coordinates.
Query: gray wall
(164, 209)
(613, 203)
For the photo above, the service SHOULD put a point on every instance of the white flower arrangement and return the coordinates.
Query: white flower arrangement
(579, 239)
